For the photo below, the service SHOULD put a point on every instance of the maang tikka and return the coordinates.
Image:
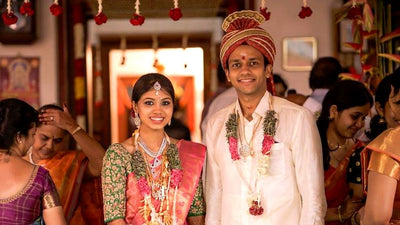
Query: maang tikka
(157, 87)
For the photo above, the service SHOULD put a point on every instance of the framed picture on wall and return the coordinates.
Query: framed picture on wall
(19, 78)
(299, 53)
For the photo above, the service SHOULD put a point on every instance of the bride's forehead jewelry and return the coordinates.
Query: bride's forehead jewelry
(157, 87)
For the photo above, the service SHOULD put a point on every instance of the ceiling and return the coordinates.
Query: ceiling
(118, 9)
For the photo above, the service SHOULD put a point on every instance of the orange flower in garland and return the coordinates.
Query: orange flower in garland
(175, 13)
(8, 16)
(26, 9)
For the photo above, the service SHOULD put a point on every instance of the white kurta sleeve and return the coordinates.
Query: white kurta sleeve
(213, 190)
(307, 158)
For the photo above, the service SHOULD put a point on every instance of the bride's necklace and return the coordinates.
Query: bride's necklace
(147, 149)
(158, 189)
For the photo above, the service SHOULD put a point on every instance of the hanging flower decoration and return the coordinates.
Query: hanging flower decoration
(175, 13)
(100, 18)
(174, 165)
(8, 16)
(305, 10)
(26, 8)
(231, 135)
(263, 10)
(55, 8)
(139, 169)
(137, 19)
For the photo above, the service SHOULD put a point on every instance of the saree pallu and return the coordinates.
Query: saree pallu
(192, 157)
(336, 187)
(67, 169)
(388, 143)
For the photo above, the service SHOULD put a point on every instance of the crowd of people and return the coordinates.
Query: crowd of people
(268, 156)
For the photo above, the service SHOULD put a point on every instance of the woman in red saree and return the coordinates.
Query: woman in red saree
(150, 178)
(343, 113)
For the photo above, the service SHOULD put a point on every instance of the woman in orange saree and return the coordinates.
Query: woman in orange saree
(73, 171)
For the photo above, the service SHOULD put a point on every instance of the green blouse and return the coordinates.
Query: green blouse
(117, 165)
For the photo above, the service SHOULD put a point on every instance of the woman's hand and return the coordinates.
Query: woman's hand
(349, 207)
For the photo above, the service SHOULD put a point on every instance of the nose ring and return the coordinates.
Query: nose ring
(51, 118)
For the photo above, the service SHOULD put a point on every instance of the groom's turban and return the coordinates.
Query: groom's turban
(243, 28)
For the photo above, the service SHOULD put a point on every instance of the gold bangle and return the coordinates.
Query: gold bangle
(76, 130)
(339, 209)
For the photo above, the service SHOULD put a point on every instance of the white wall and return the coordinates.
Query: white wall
(45, 47)
(284, 22)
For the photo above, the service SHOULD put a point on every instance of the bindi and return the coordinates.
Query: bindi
(243, 57)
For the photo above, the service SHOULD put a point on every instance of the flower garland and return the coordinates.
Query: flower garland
(269, 130)
(55, 8)
(100, 18)
(175, 13)
(176, 174)
(8, 16)
(26, 8)
(305, 10)
(263, 10)
(137, 19)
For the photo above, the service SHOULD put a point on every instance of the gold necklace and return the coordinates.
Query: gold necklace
(336, 147)
(247, 149)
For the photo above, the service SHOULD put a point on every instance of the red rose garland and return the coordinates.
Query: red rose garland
(137, 19)
(175, 13)
(305, 10)
(100, 18)
(263, 10)
(55, 8)
(8, 16)
(269, 130)
(26, 8)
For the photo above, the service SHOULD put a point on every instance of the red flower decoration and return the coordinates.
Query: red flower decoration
(233, 148)
(100, 18)
(176, 177)
(268, 141)
(354, 12)
(26, 9)
(143, 186)
(137, 20)
(175, 14)
(9, 18)
(256, 209)
(305, 12)
(266, 14)
(55, 9)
